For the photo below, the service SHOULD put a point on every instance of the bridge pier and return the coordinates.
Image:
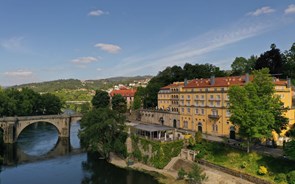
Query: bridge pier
(8, 134)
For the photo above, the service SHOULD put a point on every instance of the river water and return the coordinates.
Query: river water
(39, 157)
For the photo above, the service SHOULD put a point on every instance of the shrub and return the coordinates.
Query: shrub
(291, 177)
(198, 137)
(137, 154)
(181, 173)
(262, 170)
(280, 178)
(244, 165)
(200, 155)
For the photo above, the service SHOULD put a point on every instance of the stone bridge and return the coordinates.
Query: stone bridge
(13, 126)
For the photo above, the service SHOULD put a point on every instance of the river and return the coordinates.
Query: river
(40, 157)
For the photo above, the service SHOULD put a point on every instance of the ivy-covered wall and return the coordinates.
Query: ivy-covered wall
(155, 153)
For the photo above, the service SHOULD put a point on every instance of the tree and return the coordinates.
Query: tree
(52, 104)
(102, 130)
(242, 65)
(196, 176)
(289, 66)
(255, 108)
(119, 103)
(136, 103)
(101, 99)
(272, 60)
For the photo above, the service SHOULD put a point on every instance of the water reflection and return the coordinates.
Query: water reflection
(39, 142)
(99, 171)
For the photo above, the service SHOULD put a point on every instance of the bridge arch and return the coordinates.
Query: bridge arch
(61, 125)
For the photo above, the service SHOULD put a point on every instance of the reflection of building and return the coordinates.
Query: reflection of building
(128, 94)
(202, 104)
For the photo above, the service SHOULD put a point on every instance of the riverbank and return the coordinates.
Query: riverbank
(169, 175)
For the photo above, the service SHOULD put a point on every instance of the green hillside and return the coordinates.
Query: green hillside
(75, 84)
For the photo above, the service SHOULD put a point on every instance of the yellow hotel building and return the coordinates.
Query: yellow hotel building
(202, 104)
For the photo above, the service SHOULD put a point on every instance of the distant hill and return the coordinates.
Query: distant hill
(74, 84)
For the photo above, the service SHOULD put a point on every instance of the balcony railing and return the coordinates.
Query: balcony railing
(213, 116)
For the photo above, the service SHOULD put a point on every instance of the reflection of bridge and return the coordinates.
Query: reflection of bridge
(14, 155)
(13, 126)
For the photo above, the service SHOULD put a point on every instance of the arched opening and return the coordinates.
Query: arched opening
(161, 120)
(232, 133)
(38, 138)
(174, 123)
(200, 127)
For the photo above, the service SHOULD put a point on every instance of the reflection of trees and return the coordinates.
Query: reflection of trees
(99, 171)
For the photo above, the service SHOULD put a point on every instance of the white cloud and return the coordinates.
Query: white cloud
(195, 49)
(290, 9)
(84, 60)
(19, 73)
(97, 13)
(113, 49)
(98, 69)
(13, 44)
(260, 11)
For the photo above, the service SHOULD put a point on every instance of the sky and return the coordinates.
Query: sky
(61, 39)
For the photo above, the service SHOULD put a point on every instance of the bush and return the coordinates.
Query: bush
(201, 154)
(280, 178)
(244, 165)
(181, 173)
(262, 170)
(137, 154)
(291, 177)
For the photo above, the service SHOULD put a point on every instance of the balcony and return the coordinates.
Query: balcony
(213, 116)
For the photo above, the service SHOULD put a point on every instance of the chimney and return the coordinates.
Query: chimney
(212, 80)
(247, 78)
(288, 82)
(185, 82)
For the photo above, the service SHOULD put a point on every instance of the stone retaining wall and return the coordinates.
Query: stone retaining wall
(234, 173)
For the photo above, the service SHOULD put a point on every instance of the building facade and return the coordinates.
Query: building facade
(203, 104)
(128, 95)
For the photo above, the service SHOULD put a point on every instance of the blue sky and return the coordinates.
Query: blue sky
(93, 39)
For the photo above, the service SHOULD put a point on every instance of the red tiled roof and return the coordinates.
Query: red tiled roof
(220, 82)
(124, 92)
(173, 85)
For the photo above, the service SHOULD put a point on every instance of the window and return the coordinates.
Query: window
(214, 112)
(227, 112)
(197, 96)
(202, 103)
(217, 104)
(182, 109)
(202, 97)
(188, 110)
(197, 103)
(211, 97)
(218, 97)
(188, 103)
(202, 111)
(188, 96)
(182, 96)
(197, 111)
(185, 124)
(211, 104)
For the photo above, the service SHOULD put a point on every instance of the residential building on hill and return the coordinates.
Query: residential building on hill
(128, 94)
(202, 104)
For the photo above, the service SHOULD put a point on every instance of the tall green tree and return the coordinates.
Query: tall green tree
(272, 60)
(102, 130)
(136, 103)
(101, 99)
(289, 66)
(51, 104)
(242, 65)
(254, 107)
(119, 103)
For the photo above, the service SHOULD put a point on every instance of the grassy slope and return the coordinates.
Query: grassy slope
(233, 158)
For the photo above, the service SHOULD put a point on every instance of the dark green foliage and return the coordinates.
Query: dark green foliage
(101, 99)
(26, 102)
(289, 65)
(85, 107)
(196, 176)
(119, 103)
(291, 177)
(136, 103)
(289, 149)
(272, 60)
(280, 178)
(102, 130)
